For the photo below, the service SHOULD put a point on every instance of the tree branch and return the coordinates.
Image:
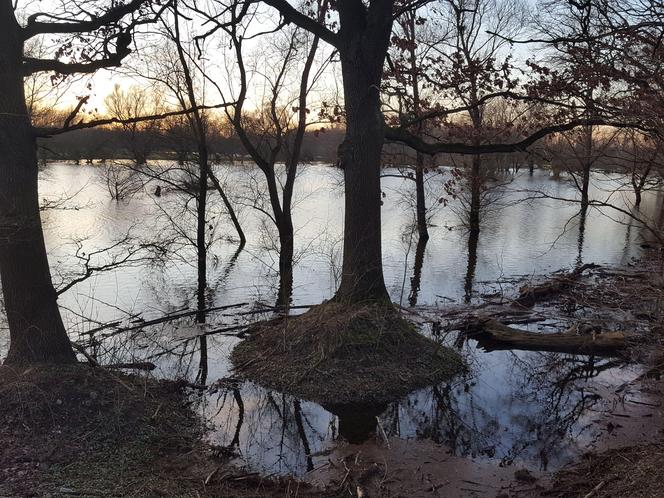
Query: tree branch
(292, 15)
(81, 125)
(114, 14)
(403, 136)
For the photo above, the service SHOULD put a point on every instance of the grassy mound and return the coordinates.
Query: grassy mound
(338, 354)
(79, 431)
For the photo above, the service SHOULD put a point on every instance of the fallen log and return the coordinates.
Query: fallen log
(529, 295)
(495, 336)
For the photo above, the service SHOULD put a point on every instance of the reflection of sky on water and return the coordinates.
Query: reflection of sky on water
(516, 240)
(533, 408)
(523, 408)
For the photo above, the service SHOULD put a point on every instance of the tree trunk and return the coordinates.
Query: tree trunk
(421, 208)
(475, 195)
(201, 226)
(416, 279)
(229, 207)
(286, 249)
(365, 38)
(637, 198)
(473, 239)
(495, 336)
(587, 162)
(37, 333)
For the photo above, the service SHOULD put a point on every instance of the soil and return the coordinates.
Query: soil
(82, 431)
(337, 354)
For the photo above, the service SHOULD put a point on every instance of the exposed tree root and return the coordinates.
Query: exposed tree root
(338, 354)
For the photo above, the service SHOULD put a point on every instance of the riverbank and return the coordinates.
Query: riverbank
(82, 431)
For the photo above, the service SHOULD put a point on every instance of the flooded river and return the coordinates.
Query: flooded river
(531, 409)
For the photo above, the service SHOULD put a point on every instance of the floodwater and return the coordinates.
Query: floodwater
(528, 409)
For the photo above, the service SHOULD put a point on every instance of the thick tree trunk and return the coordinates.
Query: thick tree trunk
(37, 333)
(364, 47)
(362, 271)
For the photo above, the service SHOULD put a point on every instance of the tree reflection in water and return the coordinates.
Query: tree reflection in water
(525, 407)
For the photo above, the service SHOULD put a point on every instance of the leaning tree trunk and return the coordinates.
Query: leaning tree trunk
(36, 331)
(360, 155)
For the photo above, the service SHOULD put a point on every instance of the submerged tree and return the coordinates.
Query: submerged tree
(275, 131)
(37, 333)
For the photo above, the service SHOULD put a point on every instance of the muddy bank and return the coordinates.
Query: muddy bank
(79, 431)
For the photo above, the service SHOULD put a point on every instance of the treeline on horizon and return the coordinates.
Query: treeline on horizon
(115, 143)
(162, 140)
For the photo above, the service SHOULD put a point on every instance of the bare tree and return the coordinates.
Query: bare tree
(140, 136)
(37, 333)
(276, 130)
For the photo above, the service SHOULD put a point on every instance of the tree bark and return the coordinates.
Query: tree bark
(493, 336)
(286, 249)
(475, 195)
(364, 38)
(37, 333)
(420, 199)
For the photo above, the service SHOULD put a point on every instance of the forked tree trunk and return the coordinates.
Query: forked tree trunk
(37, 333)
(364, 41)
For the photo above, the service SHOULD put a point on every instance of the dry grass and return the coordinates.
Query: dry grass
(635, 472)
(338, 354)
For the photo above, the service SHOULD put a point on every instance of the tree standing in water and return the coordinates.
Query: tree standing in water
(37, 333)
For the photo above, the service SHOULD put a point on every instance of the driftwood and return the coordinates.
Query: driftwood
(493, 335)
(529, 295)
(140, 323)
(139, 365)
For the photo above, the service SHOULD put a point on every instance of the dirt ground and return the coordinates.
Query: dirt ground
(82, 431)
